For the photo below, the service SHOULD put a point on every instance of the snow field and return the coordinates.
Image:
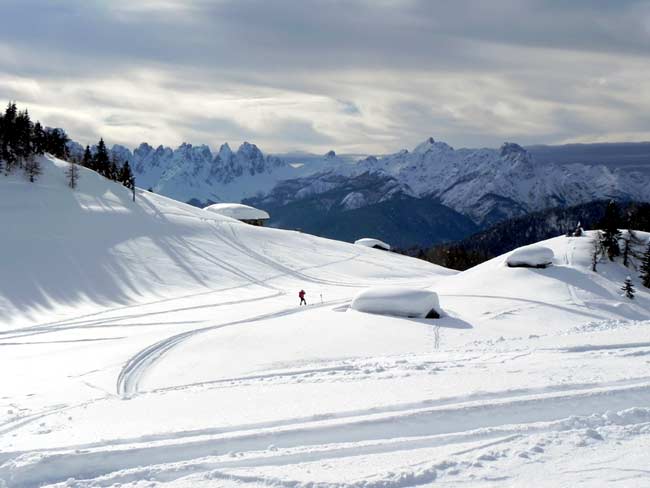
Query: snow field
(150, 345)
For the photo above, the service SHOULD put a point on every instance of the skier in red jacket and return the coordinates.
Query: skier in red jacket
(301, 294)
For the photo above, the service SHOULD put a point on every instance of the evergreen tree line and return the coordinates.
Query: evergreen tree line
(21, 140)
(623, 246)
(107, 166)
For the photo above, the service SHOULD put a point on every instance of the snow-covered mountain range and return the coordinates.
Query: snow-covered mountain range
(347, 207)
(198, 175)
(490, 185)
(486, 185)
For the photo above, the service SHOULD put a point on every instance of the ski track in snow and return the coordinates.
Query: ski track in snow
(369, 434)
(136, 367)
(568, 261)
(82, 319)
(134, 370)
(235, 240)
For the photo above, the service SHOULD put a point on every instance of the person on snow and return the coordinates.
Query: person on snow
(301, 294)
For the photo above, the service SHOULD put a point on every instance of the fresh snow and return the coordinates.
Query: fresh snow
(370, 242)
(237, 211)
(151, 343)
(400, 302)
(531, 256)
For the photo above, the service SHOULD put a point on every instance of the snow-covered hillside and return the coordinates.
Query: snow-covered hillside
(67, 249)
(151, 343)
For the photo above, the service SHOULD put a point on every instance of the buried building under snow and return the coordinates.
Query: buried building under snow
(530, 257)
(245, 213)
(374, 243)
(397, 301)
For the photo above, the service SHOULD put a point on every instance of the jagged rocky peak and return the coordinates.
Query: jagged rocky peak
(75, 149)
(251, 151)
(510, 149)
(225, 153)
(430, 144)
(142, 151)
(204, 151)
(330, 155)
(514, 152)
(144, 148)
(252, 158)
(121, 153)
(161, 151)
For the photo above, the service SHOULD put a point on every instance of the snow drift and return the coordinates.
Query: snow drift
(401, 302)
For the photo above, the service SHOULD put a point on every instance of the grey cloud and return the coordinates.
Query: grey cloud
(365, 75)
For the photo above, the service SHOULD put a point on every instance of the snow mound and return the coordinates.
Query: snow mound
(402, 302)
(375, 243)
(530, 257)
(237, 211)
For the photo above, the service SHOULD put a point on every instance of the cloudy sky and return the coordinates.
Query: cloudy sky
(366, 76)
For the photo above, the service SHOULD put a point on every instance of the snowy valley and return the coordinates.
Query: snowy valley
(152, 343)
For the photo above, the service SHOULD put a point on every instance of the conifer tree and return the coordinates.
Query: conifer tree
(7, 152)
(38, 142)
(113, 169)
(126, 175)
(645, 268)
(32, 169)
(596, 251)
(611, 233)
(628, 288)
(56, 141)
(101, 160)
(23, 138)
(72, 173)
(87, 159)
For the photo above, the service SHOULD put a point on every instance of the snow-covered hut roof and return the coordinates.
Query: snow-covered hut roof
(530, 256)
(401, 302)
(238, 211)
(368, 242)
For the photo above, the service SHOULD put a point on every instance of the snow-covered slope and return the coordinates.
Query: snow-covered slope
(68, 250)
(156, 344)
